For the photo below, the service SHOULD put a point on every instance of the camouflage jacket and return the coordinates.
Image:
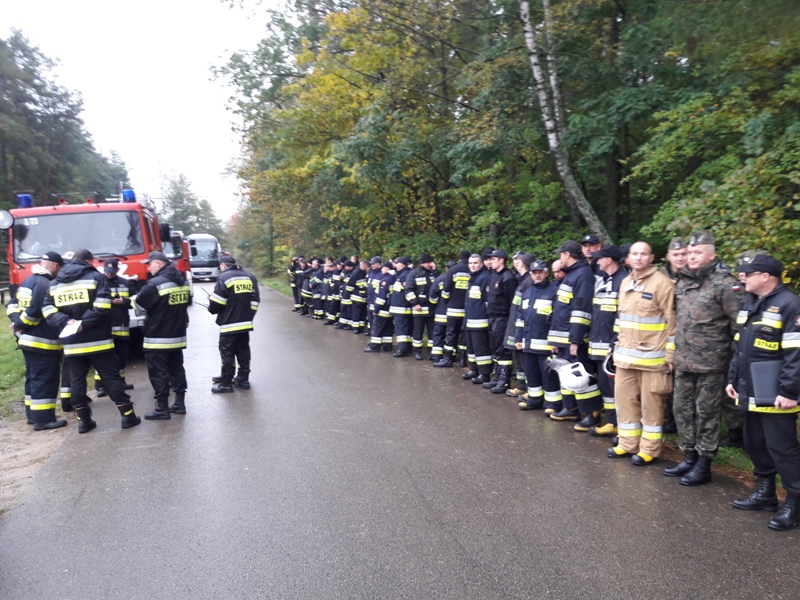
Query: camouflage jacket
(706, 302)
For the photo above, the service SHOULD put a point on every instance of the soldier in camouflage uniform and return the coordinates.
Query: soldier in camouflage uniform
(707, 300)
(676, 260)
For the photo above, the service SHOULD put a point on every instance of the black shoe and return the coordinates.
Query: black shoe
(493, 381)
(565, 414)
(700, 473)
(241, 385)
(128, 386)
(682, 468)
(357, 330)
(534, 405)
(328, 323)
(588, 421)
(469, 375)
(418, 356)
(178, 409)
(642, 460)
(480, 379)
(372, 349)
(101, 392)
(338, 326)
(51, 425)
(218, 379)
(463, 361)
(86, 425)
(401, 354)
(787, 517)
(159, 414)
(444, 362)
(131, 420)
(222, 388)
(763, 496)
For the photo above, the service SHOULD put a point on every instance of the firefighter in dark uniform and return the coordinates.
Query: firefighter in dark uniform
(346, 310)
(522, 263)
(439, 306)
(120, 320)
(454, 292)
(306, 295)
(530, 337)
(502, 286)
(374, 276)
(295, 272)
(328, 271)
(382, 323)
(165, 299)
(79, 295)
(357, 286)
(417, 292)
(769, 335)
(316, 289)
(572, 314)
(477, 323)
(601, 336)
(400, 308)
(235, 302)
(39, 343)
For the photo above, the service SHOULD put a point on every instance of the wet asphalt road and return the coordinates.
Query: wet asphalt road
(344, 475)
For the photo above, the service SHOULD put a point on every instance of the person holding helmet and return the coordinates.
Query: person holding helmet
(643, 355)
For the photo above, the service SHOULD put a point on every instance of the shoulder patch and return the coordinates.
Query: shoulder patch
(647, 295)
(737, 287)
(774, 309)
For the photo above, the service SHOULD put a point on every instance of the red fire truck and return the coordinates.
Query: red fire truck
(120, 227)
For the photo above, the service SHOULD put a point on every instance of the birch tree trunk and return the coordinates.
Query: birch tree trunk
(546, 86)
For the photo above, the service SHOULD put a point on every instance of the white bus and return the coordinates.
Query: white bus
(205, 251)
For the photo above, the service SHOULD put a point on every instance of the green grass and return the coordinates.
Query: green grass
(12, 377)
(278, 284)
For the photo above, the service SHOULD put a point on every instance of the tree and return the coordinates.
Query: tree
(186, 212)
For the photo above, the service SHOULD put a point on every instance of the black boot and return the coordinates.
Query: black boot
(160, 413)
(386, 347)
(471, 374)
(446, 361)
(241, 384)
(763, 496)
(734, 439)
(700, 473)
(179, 407)
(222, 388)
(787, 516)
(129, 417)
(682, 468)
(373, 349)
(418, 355)
(481, 379)
(502, 381)
(494, 379)
(54, 424)
(85, 422)
(463, 360)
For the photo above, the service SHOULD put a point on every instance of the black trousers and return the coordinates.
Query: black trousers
(453, 334)
(497, 341)
(438, 337)
(479, 351)
(771, 442)
(107, 366)
(165, 369)
(233, 348)
(382, 330)
(403, 328)
(122, 346)
(422, 324)
(542, 383)
(359, 315)
(42, 370)
(296, 295)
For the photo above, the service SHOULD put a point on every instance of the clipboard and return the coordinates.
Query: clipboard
(70, 329)
(764, 378)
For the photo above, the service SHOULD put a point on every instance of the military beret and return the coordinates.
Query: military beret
(676, 243)
(700, 238)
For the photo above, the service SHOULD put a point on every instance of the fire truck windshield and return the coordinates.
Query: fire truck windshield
(106, 233)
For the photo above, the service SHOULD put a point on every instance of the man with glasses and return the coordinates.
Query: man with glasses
(764, 379)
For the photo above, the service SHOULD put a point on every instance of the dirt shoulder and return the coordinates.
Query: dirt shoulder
(22, 453)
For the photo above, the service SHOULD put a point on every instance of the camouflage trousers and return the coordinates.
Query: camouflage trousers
(697, 406)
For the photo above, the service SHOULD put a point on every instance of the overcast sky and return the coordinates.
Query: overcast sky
(143, 70)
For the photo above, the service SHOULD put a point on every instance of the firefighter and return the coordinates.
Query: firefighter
(79, 298)
(235, 301)
(39, 343)
(439, 306)
(417, 292)
(502, 286)
(346, 314)
(400, 309)
(165, 299)
(374, 276)
(522, 263)
(479, 351)
(120, 320)
(768, 345)
(454, 293)
(357, 286)
(643, 355)
(572, 314)
(382, 322)
(530, 337)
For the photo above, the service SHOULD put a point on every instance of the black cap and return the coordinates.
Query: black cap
(403, 259)
(538, 265)
(590, 238)
(527, 259)
(518, 254)
(53, 257)
(464, 255)
(388, 265)
(451, 263)
(571, 246)
(349, 263)
(763, 263)
(82, 255)
(624, 250)
(111, 265)
(375, 259)
(611, 251)
(499, 254)
(425, 258)
(227, 260)
(156, 255)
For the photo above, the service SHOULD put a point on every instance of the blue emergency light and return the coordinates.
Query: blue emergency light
(128, 196)
(24, 201)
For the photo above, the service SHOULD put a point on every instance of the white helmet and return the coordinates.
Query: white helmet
(608, 365)
(573, 375)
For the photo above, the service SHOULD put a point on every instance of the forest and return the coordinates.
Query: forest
(410, 126)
